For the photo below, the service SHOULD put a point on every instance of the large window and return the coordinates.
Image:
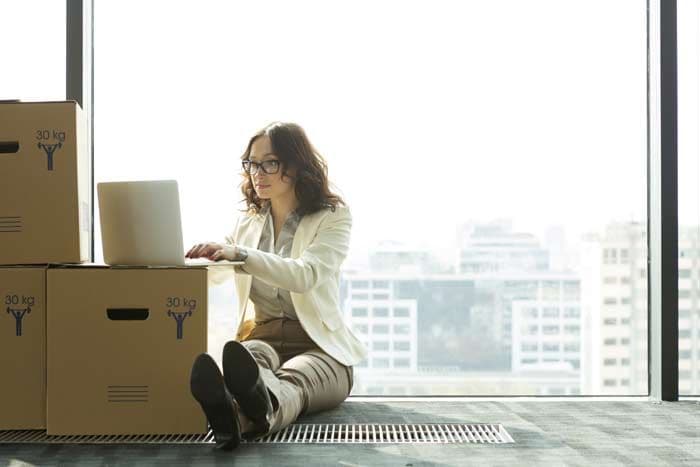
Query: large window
(493, 155)
(33, 38)
(688, 197)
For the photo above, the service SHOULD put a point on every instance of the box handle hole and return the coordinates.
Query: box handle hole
(9, 147)
(127, 314)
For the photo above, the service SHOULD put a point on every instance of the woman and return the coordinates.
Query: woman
(293, 353)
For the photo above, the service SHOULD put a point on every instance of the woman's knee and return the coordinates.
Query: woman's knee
(325, 381)
(262, 351)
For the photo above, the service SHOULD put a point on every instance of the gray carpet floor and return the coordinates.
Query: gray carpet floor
(546, 432)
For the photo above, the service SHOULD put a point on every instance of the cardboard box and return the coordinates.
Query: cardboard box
(121, 344)
(44, 183)
(23, 348)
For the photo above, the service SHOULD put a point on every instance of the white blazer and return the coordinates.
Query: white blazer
(311, 274)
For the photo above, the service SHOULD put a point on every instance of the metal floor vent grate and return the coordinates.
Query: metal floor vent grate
(367, 433)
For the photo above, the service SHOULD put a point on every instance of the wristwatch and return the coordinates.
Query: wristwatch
(241, 253)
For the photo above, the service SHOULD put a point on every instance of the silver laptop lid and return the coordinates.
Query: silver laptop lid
(141, 223)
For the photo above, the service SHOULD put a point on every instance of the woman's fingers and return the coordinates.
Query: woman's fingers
(203, 249)
(196, 250)
(191, 251)
(188, 252)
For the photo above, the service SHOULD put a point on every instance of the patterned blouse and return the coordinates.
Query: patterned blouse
(272, 302)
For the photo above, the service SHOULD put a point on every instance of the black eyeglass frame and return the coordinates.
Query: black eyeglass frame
(260, 165)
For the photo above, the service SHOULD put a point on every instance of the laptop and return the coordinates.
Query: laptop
(141, 225)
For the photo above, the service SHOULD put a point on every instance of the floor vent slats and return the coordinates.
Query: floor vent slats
(366, 433)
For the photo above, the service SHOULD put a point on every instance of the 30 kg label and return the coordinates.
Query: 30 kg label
(49, 135)
(179, 308)
(18, 306)
(19, 300)
(50, 141)
(177, 302)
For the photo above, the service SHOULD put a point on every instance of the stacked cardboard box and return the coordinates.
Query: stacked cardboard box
(43, 219)
(121, 342)
(23, 347)
(84, 348)
(44, 183)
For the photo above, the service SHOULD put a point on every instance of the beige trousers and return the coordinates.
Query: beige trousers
(300, 376)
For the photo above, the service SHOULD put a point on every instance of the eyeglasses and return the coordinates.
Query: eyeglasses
(270, 167)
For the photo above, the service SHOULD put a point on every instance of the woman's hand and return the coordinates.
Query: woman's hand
(227, 252)
(206, 250)
(213, 251)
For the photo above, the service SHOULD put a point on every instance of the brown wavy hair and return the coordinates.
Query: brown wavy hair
(294, 150)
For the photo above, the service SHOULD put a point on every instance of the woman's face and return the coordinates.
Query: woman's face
(269, 186)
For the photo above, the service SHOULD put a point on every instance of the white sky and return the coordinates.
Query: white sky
(429, 113)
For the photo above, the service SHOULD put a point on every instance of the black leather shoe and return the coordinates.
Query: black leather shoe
(208, 388)
(243, 380)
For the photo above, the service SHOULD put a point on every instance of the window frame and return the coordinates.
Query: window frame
(662, 167)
